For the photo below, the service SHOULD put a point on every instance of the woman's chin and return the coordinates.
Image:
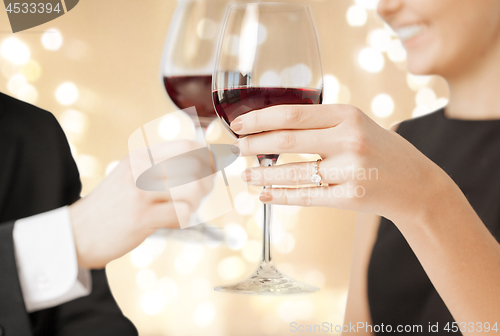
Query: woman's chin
(419, 66)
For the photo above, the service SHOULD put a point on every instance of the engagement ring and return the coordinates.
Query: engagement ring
(316, 177)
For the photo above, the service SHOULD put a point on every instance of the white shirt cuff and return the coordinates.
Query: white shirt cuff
(46, 260)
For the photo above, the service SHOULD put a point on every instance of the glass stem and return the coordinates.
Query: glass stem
(266, 250)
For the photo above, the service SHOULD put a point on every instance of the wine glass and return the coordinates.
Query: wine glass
(268, 54)
(186, 71)
(189, 56)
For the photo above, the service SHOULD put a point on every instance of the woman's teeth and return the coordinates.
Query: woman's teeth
(408, 32)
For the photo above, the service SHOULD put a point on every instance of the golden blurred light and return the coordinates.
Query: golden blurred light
(235, 236)
(371, 60)
(306, 309)
(390, 31)
(194, 252)
(270, 324)
(10, 69)
(88, 165)
(288, 269)
(252, 251)
(15, 51)
(67, 93)
(246, 203)
(31, 70)
(277, 231)
(288, 209)
(76, 50)
(204, 314)
(206, 29)
(214, 131)
(382, 105)
(420, 111)
(396, 51)
(286, 245)
(368, 4)
(295, 310)
(112, 165)
(52, 39)
(141, 257)
(417, 82)
(298, 75)
(258, 216)
(331, 88)
(231, 268)
(146, 279)
(237, 167)
(74, 151)
(169, 127)
(153, 302)
(187, 260)
(356, 16)
(201, 288)
(425, 97)
(270, 79)
(232, 46)
(253, 229)
(169, 289)
(16, 82)
(440, 103)
(73, 121)
(427, 104)
(379, 39)
(261, 33)
(27, 93)
(315, 278)
(344, 95)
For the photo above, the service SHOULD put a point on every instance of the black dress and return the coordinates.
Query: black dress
(399, 290)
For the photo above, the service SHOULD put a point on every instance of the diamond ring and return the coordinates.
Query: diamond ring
(316, 177)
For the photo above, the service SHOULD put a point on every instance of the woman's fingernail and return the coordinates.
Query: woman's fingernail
(236, 125)
(265, 196)
(235, 149)
(246, 175)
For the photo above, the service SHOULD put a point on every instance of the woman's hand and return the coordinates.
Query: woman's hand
(117, 216)
(367, 168)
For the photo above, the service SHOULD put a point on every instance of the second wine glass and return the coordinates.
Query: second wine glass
(268, 54)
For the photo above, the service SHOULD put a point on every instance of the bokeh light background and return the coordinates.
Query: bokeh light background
(97, 69)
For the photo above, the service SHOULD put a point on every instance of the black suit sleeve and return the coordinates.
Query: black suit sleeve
(13, 317)
(38, 174)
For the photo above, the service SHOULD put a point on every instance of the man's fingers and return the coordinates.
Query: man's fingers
(291, 117)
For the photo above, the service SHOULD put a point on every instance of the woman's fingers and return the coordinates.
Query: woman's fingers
(288, 141)
(339, 196)
(335, 170)
(291, 117)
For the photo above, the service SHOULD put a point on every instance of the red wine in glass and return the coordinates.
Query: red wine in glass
(188, 91)
(231, 103)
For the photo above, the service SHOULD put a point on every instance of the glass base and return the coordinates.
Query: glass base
(267, 280)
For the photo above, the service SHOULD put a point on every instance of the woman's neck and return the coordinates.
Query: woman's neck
(475, 94)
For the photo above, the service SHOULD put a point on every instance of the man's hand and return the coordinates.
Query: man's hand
(117, 216)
